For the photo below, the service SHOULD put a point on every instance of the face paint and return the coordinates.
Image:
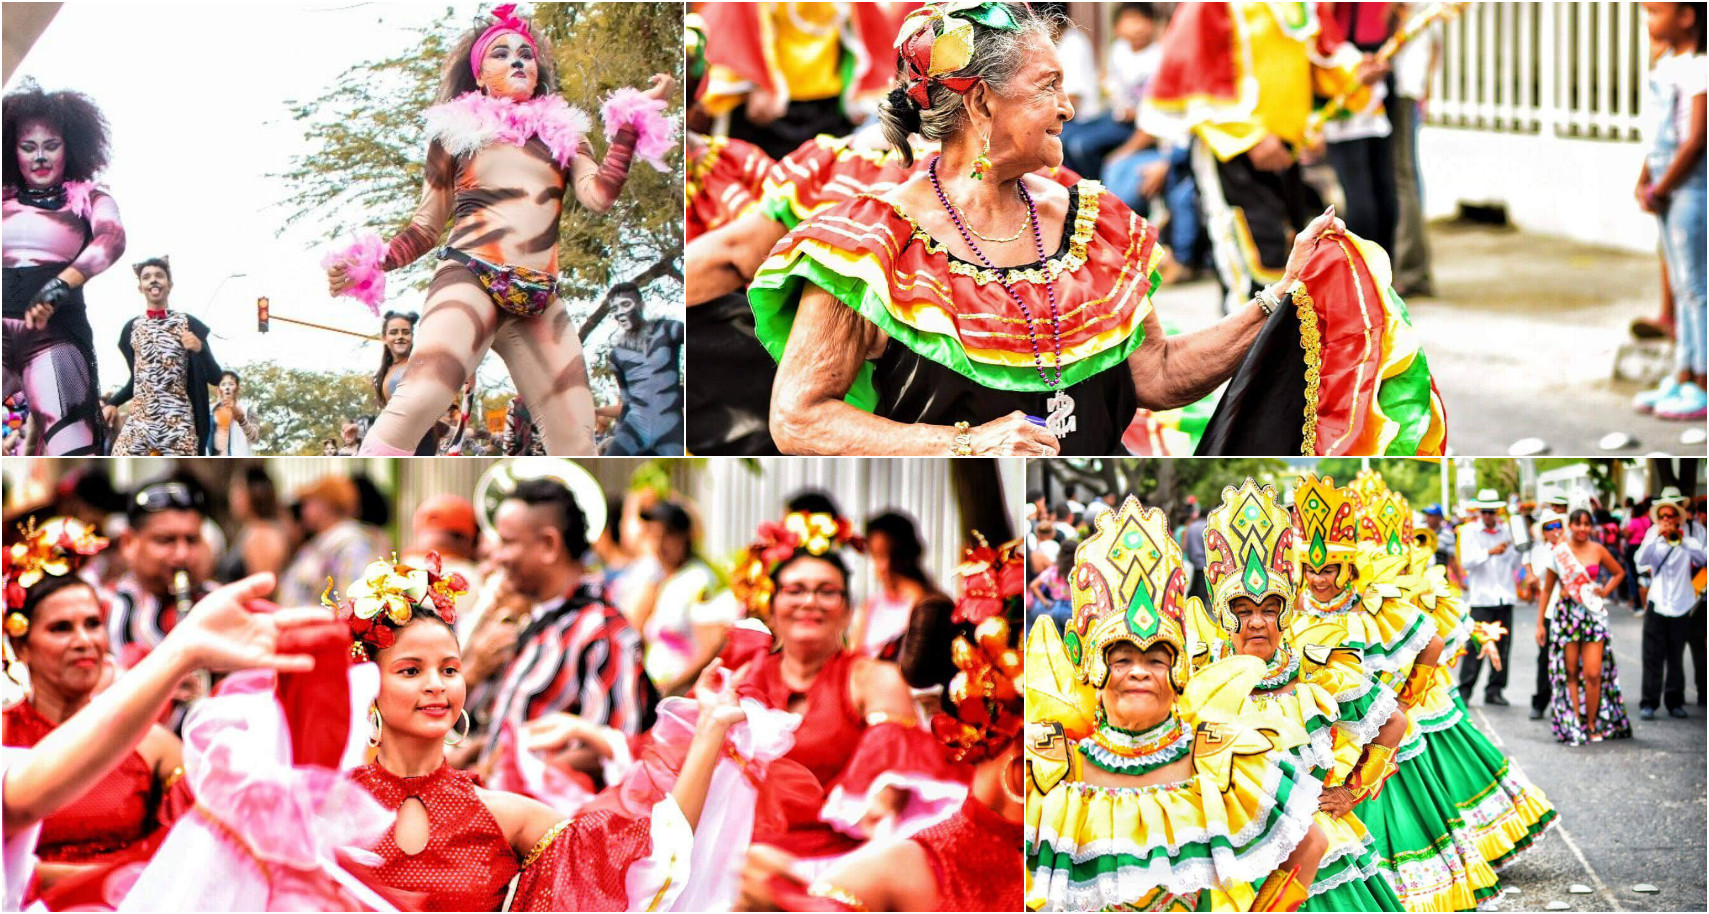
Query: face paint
(509, 69)
(155, 286)
(41, 154)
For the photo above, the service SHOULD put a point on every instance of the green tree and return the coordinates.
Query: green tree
(296, 408)
(1161, 481)
(365, 167)
(1419, 480)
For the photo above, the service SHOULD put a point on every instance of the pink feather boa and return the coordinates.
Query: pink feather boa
(633, 108)
(471, 121)
(362, 259)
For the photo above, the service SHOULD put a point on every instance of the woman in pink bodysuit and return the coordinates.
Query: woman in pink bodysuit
(59, 231)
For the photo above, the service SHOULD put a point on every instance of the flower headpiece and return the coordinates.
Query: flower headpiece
(815, 533)
(386, 597)
(55, 549)
(937, 40)
(504, 20)
(985, 693)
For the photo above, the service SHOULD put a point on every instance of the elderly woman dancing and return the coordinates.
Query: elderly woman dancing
(935, 319)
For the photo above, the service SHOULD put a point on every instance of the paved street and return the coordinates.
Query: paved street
(1521, 337)
(1632, 811)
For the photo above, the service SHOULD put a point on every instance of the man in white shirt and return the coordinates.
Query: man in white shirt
(1671, 555)
(1490, 560)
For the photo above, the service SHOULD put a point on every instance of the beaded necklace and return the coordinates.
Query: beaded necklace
(1336, 606)
(1283, 667)
(1130, 752)
(1061, 421)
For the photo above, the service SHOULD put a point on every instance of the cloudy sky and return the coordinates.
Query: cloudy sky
(197, 97)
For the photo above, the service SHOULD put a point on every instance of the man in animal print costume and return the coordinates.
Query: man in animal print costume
(172, 368)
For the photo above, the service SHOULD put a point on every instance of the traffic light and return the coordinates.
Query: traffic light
(261, 313)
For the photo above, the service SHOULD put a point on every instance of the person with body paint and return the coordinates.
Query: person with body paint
(646, 357)
(503, 147)
(60, 231)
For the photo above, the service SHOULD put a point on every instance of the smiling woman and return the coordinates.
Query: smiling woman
(992, 303)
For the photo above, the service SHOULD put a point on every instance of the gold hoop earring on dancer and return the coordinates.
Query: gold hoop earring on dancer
(375, 725)
(459, 737)
(1015, 780)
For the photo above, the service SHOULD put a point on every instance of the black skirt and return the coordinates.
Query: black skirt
(1262, 413)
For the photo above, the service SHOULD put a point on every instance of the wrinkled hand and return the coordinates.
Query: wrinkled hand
(1305, 242)
(221, 633)
(1336, 801)
(1013, 435)
(1271, 154)
(660, 86)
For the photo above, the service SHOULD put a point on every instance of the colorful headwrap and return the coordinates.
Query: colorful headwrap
(775, 543)
(386, 597)
(985, 693)
(937, 40)
(1329, 519)
(1128, 585)
(55, 549)
(1249, 552)
(504, 20)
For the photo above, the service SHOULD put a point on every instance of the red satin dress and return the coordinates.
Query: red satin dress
(976, 855)
(467, 864)
(119, 811)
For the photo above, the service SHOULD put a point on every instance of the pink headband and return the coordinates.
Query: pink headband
(503, 21)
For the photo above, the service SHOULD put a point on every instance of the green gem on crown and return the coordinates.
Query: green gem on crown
(1256, 578)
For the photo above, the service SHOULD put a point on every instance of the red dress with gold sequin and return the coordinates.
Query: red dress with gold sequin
(119, 811)
(976, 855)
(468, 862)
(854, 760)
(582, 864)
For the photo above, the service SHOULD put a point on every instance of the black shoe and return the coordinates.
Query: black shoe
(1536, 713)
(1496, 700)
(1646, 713)
(1677, 712)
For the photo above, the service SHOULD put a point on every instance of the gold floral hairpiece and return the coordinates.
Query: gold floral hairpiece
(55, 549)
(386, 597)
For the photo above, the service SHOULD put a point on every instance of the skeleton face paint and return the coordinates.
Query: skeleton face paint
(509, 69)
(626, 310)
(41, 154)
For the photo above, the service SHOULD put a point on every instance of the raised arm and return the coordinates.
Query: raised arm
(824, 355)
(597, 183)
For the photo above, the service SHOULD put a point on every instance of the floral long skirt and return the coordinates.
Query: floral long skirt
(1574, 622)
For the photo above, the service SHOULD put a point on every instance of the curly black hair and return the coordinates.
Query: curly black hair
(77, 118)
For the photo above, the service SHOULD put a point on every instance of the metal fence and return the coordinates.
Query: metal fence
(1570, 70)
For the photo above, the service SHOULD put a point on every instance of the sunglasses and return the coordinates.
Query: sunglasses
(1552, 526)
(167, 496)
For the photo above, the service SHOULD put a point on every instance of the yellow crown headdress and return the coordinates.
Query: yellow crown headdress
(1128, 585)
(1328, 525)
(1249, 552)
(1385, 526)
(1369, 484)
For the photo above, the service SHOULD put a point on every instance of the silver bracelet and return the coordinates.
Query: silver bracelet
(1267, 301)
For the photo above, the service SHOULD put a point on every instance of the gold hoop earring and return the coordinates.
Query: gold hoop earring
(459, 736)
(1014, 784)
(982, 161)
(375, 725)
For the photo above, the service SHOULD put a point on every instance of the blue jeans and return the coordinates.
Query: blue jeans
(1085, 143)
(1123, 175)
(1682, 241)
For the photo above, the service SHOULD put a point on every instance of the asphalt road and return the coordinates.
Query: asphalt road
(1521, 336)
(1632, 811)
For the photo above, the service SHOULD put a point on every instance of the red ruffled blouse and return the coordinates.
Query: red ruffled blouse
(725, 177)
(976, 855)
(118, 812)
